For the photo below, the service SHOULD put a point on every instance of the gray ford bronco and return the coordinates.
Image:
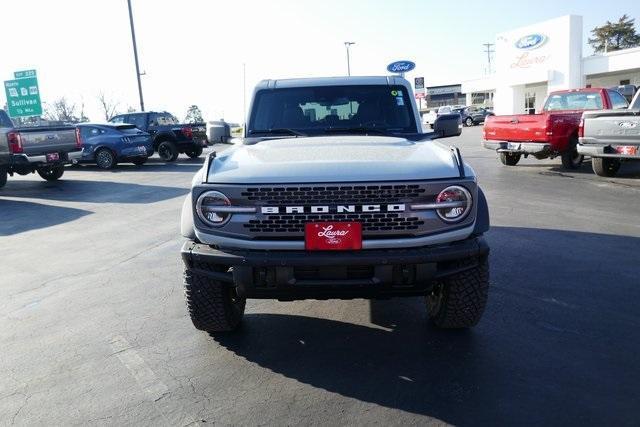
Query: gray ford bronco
(335, 192)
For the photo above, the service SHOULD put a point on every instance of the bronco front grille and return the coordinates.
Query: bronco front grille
(334, 194)
(294, 223)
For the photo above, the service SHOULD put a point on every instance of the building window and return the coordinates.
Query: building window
(530, 102)
(625, 82)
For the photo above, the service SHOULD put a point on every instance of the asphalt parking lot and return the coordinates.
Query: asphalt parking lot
(94, 328)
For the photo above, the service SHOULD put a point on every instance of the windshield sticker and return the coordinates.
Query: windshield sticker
(400, 100)
(394, 93)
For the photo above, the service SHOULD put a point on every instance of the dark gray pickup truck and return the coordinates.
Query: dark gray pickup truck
(42, 149)
(611, 137)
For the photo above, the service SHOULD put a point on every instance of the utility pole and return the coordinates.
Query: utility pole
(489, 51)
(347, 45)
(135, 56)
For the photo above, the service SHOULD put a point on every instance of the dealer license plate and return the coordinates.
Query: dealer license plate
(628, 150)
(52, 157)
(333, 236)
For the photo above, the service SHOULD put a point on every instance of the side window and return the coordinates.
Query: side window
(88, 131)
(617, 100)
(117, 119)
(136, 119)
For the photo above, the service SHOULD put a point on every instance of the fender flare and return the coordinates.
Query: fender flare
(186, 219)
(482, 215)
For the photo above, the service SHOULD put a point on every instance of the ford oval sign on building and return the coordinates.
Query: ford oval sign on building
(531, 41)
(401, 67)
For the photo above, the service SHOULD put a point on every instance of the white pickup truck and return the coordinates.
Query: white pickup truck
(610, 137)
(335, 192)
(42, 149)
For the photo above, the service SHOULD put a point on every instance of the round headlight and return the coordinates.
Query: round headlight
(207, 205)
(456, 203)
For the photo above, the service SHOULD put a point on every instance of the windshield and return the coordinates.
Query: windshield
(325, 109)
(574, 101)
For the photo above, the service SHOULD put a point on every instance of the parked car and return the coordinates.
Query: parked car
(42, 149)
(109, 144)
(429, 117)
(611, 137)
(170, 138)
(320, 203)
(472, 116)
(218, 132)
(551, 133)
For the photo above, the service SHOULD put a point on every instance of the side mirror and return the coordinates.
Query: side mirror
(447, 125)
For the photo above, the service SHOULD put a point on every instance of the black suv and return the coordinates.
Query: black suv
(169, 136)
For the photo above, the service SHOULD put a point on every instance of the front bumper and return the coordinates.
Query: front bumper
(289, 275)
(533, 148)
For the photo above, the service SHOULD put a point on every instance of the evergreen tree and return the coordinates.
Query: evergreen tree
(615, 35)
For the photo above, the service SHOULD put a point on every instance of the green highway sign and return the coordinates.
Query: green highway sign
(23, 74)
(23, 97)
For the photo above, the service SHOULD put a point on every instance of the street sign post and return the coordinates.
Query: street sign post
(23, 95)
(418, 84)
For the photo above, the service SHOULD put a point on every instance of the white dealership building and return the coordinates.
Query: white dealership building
(532, 61)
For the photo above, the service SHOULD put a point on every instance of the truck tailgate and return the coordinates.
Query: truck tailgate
(620, 127)
(39, 141)
(519, 127)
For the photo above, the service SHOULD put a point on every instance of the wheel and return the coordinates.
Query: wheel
(509, 159)
(603, 166)
(194, 153)
(168, 151)
(459, 301)
(213, 306)
(571, 159)
(139, 161)
(3, 177)
(52, 173)
(105, 159)
(468, 122)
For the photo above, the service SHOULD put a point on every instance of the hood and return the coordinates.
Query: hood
(333, 159)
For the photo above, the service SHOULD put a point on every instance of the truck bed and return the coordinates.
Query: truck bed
(42, 140)
(517, 128)
(607, 127)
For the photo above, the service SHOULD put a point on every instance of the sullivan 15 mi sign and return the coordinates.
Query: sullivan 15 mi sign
(23, 95)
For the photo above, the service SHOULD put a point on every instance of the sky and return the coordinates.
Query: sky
(193, 51)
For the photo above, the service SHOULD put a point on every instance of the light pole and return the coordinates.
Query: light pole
(135, 56)
(347, 45)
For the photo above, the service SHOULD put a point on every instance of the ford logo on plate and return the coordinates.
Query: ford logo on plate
(532, 41)
(400, 67)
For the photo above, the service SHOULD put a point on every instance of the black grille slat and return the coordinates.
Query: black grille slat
(335, 194)
(370, 222)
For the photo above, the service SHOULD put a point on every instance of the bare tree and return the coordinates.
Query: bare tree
(108, 106)
(61, 110)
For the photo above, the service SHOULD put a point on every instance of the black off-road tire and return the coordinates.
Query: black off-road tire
(213, 306)
(3, 177)
(194, 153)
(571, 159)
(510, 159)
(168, 151)
(603, 166)
(459, 301)
(53, 173)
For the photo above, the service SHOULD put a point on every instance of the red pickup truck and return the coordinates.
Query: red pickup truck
(551, 133)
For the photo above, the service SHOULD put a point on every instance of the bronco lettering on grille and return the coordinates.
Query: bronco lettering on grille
(274, 210)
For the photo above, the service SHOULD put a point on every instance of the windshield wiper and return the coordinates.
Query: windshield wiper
(358, 129)
(276, 131)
